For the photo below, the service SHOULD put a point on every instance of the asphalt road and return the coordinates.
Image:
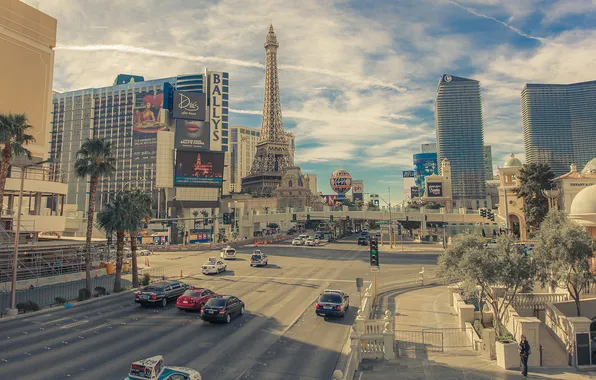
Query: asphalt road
(279, 337)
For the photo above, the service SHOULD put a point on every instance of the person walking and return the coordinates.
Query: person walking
(524, 354)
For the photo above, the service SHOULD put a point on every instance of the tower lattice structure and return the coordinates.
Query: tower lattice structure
(273, 154)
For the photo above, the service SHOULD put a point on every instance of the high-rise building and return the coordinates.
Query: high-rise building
(243, 147)
(460, 138)
(488, 162)
(134, 115)
(428, 148)
(559, 124)
(273, 155)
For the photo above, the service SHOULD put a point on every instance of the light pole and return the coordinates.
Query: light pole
(15, 259)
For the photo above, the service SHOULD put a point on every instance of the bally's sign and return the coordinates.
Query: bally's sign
(189, 105)
(216, 108)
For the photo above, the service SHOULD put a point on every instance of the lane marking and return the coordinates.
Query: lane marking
(75, 324)
(297, 279)
(95, 328)
(55, 320)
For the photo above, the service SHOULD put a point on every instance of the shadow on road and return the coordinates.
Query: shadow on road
(346, 320)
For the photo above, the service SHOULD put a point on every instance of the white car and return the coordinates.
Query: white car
(214, 266)
(309, 241)
(144, 252)
(153, 368)
(258, 258)
(228, 253)
(297, 241)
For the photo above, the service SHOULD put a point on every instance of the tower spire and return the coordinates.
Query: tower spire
(273, 154)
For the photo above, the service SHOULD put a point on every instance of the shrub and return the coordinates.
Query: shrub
(100, 290)
(60, 300)
(146, 279)
(84, 294)
(27, 306)
(478, 326)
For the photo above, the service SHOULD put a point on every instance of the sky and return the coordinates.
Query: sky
(357, 78)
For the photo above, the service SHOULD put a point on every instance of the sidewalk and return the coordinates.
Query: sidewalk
(429, 308)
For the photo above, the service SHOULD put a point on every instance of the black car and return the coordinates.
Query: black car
(222, 309)
(362, 241)
(160, 293)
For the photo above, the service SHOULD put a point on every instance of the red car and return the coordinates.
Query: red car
(194, 299)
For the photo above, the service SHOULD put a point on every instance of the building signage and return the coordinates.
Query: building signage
(580, 184)
(189, 105)
(408, 174)
(148, 119)
(357, 186)
(414, 193)
(215, 108)
(199, 169)
(435, 189)
(192, 134)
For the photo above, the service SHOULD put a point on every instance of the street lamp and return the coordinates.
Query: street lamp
(13, 310)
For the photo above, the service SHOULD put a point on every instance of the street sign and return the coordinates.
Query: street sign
(374, 270)
(382, 223)
(359, 283)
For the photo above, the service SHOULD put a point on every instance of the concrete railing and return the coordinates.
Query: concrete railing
(534, 301)
(557, 324)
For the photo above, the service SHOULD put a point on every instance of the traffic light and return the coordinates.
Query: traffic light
(483, 212)
(331, 218)
(308, 217)
(374, 253)
(294, 218)
(347, 218)
(226, 218)
(399, 229)
(491, 216)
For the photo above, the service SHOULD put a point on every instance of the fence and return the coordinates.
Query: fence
(46, 295)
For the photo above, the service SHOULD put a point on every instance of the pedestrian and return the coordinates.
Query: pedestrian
(524, 354)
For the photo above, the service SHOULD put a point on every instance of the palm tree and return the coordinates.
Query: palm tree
(14, 137)
(114, 217)
(139, 213)
(94, 160)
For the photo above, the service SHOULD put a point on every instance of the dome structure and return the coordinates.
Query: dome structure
(584, 202)
(590, 167)
(512, 162)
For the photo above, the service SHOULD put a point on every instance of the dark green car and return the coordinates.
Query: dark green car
(362, 241)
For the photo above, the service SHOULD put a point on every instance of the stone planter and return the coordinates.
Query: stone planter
(507, 355)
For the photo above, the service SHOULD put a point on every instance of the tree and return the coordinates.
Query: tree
(483, 233)
(488, 273)
(534, 178)
(94, 160)
(14, 137)
(139, 213)
(563, 254)
(114, 217)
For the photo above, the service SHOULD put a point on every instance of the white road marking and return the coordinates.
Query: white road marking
(95, 328)
(74, 324)
(297, 279)
(55, 320)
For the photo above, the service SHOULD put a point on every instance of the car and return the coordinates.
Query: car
(362, 240)
(259, 258)
(317, 240)
(332, 303)
(222, 309)
(297, 241)
(144, 252)
(309, 241)
(214, 266)
(194, 299)
(160, 293)
(320, 235)
(228, 253)
(153, 368)
(303, 237)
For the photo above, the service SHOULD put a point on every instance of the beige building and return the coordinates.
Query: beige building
(243, 147)
(294, 191)
(292, 144)
(27, 39)
(570, 184)
(438, 188)
(510, 206)
(312, 183)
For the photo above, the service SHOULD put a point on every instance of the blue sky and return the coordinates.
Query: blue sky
(358, 78)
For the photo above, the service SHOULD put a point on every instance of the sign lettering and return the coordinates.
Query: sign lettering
(216, 110)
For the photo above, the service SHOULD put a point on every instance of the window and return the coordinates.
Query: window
(331, 298)
(216, 302)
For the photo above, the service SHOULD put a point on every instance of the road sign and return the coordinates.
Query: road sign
(382, 222)
(374, 270)
(359, 283)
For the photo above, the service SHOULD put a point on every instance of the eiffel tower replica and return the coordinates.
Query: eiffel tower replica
(273, 155)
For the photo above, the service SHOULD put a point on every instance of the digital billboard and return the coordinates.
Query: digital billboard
(408, 174)
(192, 134)
(425, 164)
(435, 189)
(189, 105)
(414, 193)
(199, 169)
(148, 119)
(357, 190)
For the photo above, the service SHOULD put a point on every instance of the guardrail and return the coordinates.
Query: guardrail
(536, 301)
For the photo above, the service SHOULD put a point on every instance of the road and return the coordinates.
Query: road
(278, 337)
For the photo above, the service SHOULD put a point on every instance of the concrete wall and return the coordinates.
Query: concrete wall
(588, 308)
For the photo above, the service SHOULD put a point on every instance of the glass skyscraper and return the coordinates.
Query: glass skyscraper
(460, 138)
(559, 123)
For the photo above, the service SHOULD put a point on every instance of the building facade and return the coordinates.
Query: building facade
(460, 138)
(134, 115)
(511, 208)
(488, 162)
(27, 41)
(559, 124)
(428, 148)
(313, 183)
(570, 184)
(438, 188)
(243, 147)
(294, 192)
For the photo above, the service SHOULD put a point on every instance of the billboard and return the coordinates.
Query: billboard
(408, 174)
(358, 197)
(357, 186)
(215, 108)
(329, 199)
(148, 118)
(425, 164)
(192, 134)
(435, 189)
(199, 169)
(414, 193)
(189, 105)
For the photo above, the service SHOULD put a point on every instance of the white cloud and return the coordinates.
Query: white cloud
(563, 8)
